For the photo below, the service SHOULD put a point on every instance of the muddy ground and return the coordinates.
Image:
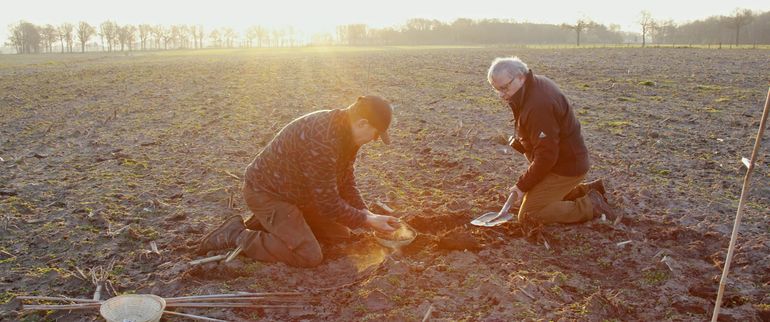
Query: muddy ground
(102, 155)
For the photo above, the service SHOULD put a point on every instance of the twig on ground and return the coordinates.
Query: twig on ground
(114, 234)
(7, 253)
(208, 259)
(233, 254)
(428, 313)
(232, 175)
(623, 243)
(525, 292)
(154, 247)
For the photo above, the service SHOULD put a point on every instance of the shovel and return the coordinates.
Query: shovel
(492, 219)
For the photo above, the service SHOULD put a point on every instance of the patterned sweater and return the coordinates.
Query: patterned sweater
(310, 163)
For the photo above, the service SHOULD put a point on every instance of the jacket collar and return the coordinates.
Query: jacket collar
(517, 102)
(341, 125)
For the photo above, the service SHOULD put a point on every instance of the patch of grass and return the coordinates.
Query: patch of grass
(360, 308)
(617, 123)
(89, 228)
(708, 87)
(133, 163)
(19, 205)
(7, 260)
(659, 171)
(710, 109)
(40, 271)
(6, 296)
(654, 277)
(722, 99)
(579, 308)
(627, 99)
(647, 83)
(147, 233)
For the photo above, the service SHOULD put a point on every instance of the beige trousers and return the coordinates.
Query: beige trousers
(546, 202)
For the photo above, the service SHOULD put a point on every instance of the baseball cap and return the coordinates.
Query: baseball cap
(378, 112)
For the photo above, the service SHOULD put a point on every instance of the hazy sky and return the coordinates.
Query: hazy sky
(323, 15)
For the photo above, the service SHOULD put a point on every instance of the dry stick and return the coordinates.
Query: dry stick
(52, 298)
(79, 306)
(233, 254)
(249, 299)
(244, 305)
(194, 317)
(427, 314)
(232, 295)
(744, 192)
(208, 259)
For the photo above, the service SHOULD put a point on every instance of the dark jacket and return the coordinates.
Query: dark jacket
(310, 163)
(549, 132)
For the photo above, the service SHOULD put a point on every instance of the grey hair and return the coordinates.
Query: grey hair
(511, 66)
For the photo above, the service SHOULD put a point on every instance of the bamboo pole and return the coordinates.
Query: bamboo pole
(194, 317)
(744, 192)
(60, 299)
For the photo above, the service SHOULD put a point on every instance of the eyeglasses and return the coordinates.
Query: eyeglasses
(505, 87)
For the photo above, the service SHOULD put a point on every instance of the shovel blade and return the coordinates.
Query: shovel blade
(491, 219)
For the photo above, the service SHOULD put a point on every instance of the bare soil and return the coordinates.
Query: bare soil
(103, 154)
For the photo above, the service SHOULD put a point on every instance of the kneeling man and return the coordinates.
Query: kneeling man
(301, 187)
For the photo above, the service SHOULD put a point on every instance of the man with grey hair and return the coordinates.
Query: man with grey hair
(548, 133)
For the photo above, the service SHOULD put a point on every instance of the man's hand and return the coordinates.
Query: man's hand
(381, 222)
(519, 196)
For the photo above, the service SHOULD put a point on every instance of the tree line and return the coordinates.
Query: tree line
(742, 26)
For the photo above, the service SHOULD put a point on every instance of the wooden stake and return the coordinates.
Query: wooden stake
(744, 192)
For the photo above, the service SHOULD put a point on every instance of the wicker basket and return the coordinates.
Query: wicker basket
(133, 308)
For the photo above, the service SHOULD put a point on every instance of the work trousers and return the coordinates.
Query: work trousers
(284, 233)
(557, 199)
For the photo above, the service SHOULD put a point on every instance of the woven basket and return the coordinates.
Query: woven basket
(133, 308)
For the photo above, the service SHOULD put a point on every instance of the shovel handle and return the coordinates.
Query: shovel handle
(508, 203)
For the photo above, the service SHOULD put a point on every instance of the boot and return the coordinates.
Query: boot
(600, 205)
(223, 237)
(253, 223)
(582, 190)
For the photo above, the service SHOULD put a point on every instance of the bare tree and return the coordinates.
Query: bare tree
(198, 35)
(144, 32)
(739, 19)
(66, 30)
(48, 35)
(84, 33)
(14, 39)
(166, 36)
(126, 36)
(251, 34)
(216, 38)
(109, 32)
(580, 26)
(229, 35)
(159, 32)
(664, 32)
(647, 24)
